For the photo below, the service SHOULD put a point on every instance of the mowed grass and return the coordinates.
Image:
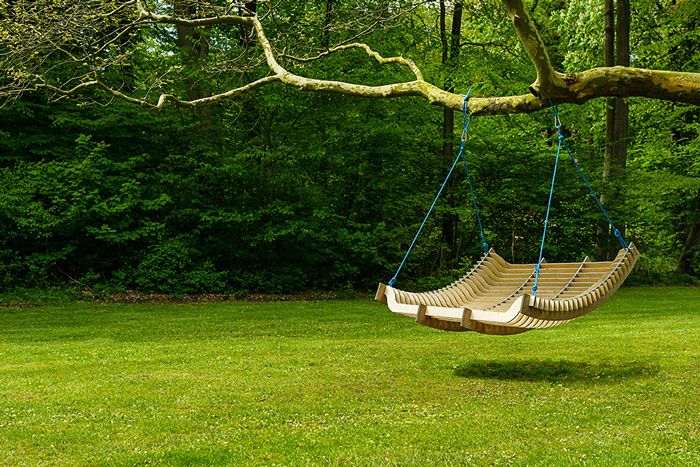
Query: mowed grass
(347, 382)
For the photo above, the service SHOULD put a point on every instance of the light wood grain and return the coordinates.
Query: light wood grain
(494, 296)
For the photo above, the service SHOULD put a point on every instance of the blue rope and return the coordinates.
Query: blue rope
(465, 133)
(467, 119)
(617, 233)
(557, 123)
(561, 143)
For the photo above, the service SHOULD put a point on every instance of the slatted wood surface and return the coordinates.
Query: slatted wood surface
(495, 296)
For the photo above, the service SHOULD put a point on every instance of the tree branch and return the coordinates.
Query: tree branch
(565, 88)
(358, 45)
(163, 98)
(549, 82)
(572, 88)
(194, 22)
(620, 81)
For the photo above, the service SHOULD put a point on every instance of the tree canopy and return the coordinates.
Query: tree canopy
(67, 46)
(241, 183)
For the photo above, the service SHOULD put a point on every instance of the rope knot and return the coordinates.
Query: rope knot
(465, 104)
(561, 135)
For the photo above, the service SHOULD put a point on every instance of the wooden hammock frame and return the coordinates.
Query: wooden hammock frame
(493, 297)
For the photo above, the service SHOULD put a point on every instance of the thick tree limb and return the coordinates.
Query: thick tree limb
(619, 81)
(549, 82)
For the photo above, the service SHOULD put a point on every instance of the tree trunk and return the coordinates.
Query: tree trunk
(443, 31)
(447, 114)
(194, 48)
(617, 47)
(327, 24)
(608, 61)
(692, 242)
(622, 52)
(450, 55)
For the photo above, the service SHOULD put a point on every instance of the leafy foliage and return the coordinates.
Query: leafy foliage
(283, 191)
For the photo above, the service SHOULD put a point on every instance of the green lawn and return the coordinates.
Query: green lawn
(347, 382)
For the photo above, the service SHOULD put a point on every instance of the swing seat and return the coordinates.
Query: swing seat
(494, 297)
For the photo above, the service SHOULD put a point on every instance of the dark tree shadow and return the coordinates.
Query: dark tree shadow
(557, 371)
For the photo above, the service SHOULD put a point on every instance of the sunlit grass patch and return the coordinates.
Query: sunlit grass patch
(347, 382)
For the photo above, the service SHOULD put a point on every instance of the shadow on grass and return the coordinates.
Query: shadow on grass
(557, 371)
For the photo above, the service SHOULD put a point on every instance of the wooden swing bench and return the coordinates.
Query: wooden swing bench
(497, 297)
(493, 297)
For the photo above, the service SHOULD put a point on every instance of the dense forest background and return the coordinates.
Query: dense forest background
(282, 191)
